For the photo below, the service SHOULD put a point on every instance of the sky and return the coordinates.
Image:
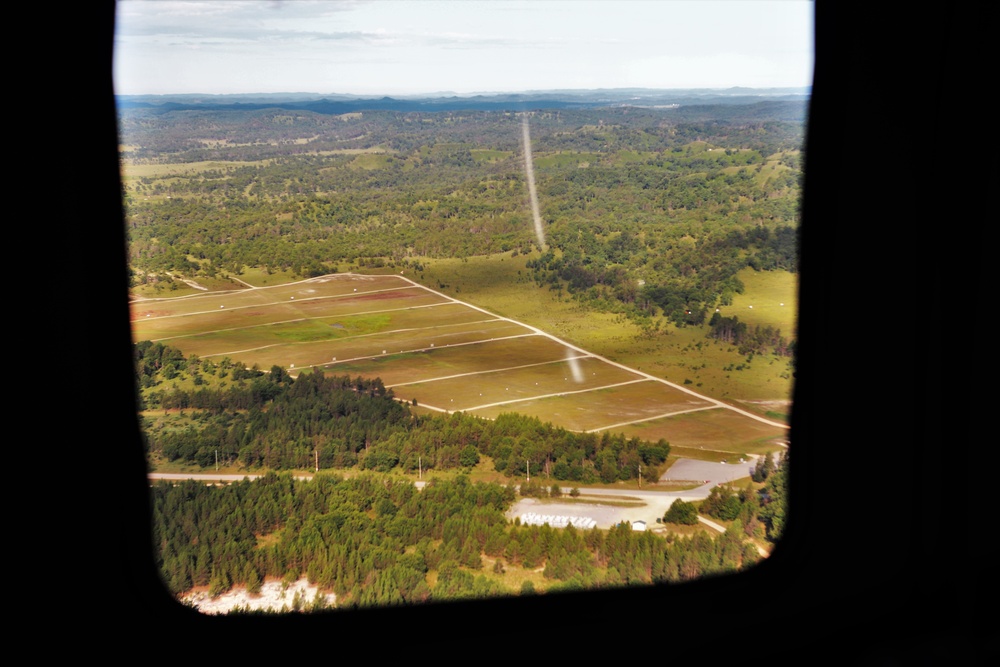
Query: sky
(393, 47)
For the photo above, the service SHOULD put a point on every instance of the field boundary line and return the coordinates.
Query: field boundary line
(355, 337)
(423, 405)
(678, 387)
(717, 451)
(249, 349)
(272, 303)
(395, 331)
(314, 279)
(649, 419)
(303, 319)
(389, 354)
(561, 393)
(492, 370)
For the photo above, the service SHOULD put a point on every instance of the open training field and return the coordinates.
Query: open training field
(444, 354)
(308, 292)
(448, 362)
(518, 383)
(605, 408)
(770, 299)
(710, 434)
(502, 284)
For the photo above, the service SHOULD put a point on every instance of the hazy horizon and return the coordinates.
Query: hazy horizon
(426, 47)
(429, 93)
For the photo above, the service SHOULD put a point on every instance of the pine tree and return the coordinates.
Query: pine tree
(768, 465)
(253, 580)
(219, 583)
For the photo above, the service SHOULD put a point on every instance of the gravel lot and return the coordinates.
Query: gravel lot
(690, 469)
(596, 508)
(606, 515)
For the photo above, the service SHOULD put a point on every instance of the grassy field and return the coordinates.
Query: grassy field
(711, 435)
(565, 158)
(488, 155)
(180, 288)
(514, 384)
(411, 368)
(258, 277)
(771, 298)
(370, 161)
(220, 333)
(502, 284)
(603, 409)
(450, 357)
(166, 170)
(203, 311)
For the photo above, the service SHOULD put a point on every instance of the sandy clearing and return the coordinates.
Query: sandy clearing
(271, 597)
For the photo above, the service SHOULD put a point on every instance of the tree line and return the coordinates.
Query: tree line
(315, 421)
(749, 341)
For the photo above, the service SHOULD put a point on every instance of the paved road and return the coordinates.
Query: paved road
(208, 476)
(706, 472)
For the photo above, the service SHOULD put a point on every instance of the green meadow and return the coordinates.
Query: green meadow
(564, 159)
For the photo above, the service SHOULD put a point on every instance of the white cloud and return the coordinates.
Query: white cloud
(386, 46)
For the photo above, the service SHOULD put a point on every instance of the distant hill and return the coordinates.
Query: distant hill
(557, 99)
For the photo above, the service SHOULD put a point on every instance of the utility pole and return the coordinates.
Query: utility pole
(216, 460)
(528, 461)
(316, 451)
(420, 469)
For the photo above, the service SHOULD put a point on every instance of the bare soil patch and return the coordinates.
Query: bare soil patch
(273, 595)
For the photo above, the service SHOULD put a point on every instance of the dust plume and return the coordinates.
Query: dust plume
(530, 171)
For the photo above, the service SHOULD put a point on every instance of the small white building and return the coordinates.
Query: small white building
(639, 525)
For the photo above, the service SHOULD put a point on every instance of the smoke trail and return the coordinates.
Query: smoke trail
(530, 171)
(574, 367)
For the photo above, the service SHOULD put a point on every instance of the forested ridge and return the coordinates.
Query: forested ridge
(647, 212)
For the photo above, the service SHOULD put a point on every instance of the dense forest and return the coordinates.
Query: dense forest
(374, 541)
(271, 421)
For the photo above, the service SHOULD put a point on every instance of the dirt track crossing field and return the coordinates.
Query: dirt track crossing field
(446, 354)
